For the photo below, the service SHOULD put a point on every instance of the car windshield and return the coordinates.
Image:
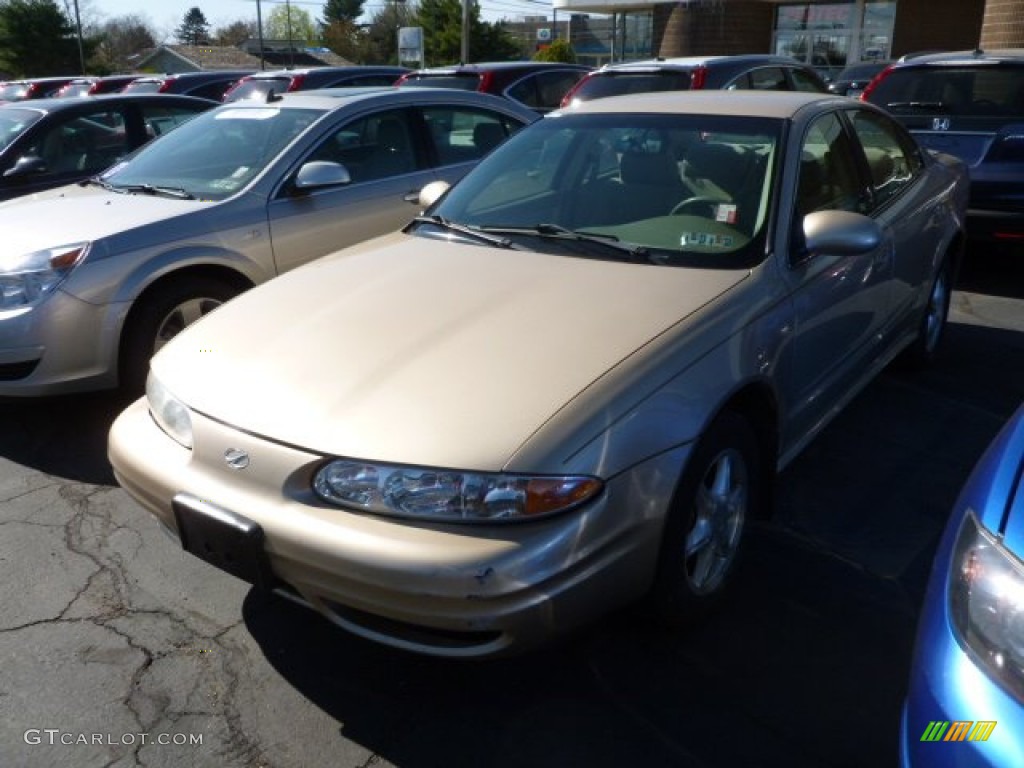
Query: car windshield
(14, 122)
(678, 190)
(621, 83)
(214, 155)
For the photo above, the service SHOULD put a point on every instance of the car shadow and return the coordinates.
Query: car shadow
(804, 664)
(61, 436)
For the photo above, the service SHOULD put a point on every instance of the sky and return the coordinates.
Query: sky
(166, 15)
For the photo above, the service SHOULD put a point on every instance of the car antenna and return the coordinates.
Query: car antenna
(273, 96)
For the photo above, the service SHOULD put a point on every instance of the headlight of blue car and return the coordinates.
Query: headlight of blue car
(987, 604)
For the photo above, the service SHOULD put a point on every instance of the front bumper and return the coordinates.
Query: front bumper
(445, 590)
(946, 686)
(59, 346)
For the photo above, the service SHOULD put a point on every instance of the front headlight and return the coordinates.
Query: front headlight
(27, 279)
(986, 595)
(169, 413)
(450, 495)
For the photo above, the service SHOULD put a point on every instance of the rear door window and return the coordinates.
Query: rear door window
(892, 157)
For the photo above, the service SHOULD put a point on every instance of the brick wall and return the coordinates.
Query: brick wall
(713, 27)
(1003, 24)
(926, 25)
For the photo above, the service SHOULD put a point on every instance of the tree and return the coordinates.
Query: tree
(117, 40)
(442, 20)
(37, 39)
(348, 41)
(558, 51)
(235, 33)
(342, 10)
(286, 22)
(194, 29)
(381, 36)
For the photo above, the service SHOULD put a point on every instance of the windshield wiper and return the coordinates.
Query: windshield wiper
(558, 232)
(928, 106)
(150, 189)
(462, 229)
(97, 181)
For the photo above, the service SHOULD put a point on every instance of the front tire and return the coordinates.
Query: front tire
(719, 493)
(162, 315)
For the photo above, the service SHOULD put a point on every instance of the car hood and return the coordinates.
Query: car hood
(76, 214)
(412, 350)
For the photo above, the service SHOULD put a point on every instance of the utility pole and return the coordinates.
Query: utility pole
(465, 32)
(78, 27)
(259, 33)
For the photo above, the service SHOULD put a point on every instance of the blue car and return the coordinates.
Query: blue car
(965, 706)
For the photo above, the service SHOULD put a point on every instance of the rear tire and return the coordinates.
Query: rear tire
(719, 493)
(161, 316)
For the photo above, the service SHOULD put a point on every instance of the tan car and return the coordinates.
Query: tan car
(568, 384)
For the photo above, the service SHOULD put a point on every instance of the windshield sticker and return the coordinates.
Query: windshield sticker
(247, 114)
(706, 240)
(726, 212)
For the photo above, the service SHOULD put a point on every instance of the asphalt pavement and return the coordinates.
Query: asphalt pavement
(117, 649)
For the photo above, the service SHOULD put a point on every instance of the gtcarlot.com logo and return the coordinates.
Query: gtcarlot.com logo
(53, 736)
(959, 730)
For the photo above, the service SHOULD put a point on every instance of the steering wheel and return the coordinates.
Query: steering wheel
(692, 201)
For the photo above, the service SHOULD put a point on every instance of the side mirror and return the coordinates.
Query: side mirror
(842, 233)
(430, 193)
(25, 165)
(319, 173)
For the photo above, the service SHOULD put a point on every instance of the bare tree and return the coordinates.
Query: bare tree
(235, 33)
(120, 39)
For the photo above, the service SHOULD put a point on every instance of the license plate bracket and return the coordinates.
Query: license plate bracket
(223, 538)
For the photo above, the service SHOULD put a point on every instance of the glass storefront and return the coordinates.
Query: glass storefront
(831, 35)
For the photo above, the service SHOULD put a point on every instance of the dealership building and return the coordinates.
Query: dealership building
(826, 34)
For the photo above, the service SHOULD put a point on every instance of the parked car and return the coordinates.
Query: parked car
(48, 143)
(210, 84)
(259, 84)
(965, 705)
(566, 385)
(854, 79)
(93, 86)
(96, 276)
(538, 85)
(969, 104)
(35, 88)
(746, 72)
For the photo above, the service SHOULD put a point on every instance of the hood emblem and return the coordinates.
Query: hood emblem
(236, 458)
(940, 123)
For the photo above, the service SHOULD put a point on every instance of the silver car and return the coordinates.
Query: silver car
(569, 383)
(97, 276)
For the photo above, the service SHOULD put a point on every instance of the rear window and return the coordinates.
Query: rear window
(599, 86)
(258, 88)
(467, 82)
(14, 122)
(14, 91)
(990, 91)
(143, 86)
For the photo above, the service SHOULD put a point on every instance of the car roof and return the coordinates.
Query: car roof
(772, 104)
(326, 99)
(274, 73)
(485, 66)
(689, 62)
(61, 104)
(963, 58)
